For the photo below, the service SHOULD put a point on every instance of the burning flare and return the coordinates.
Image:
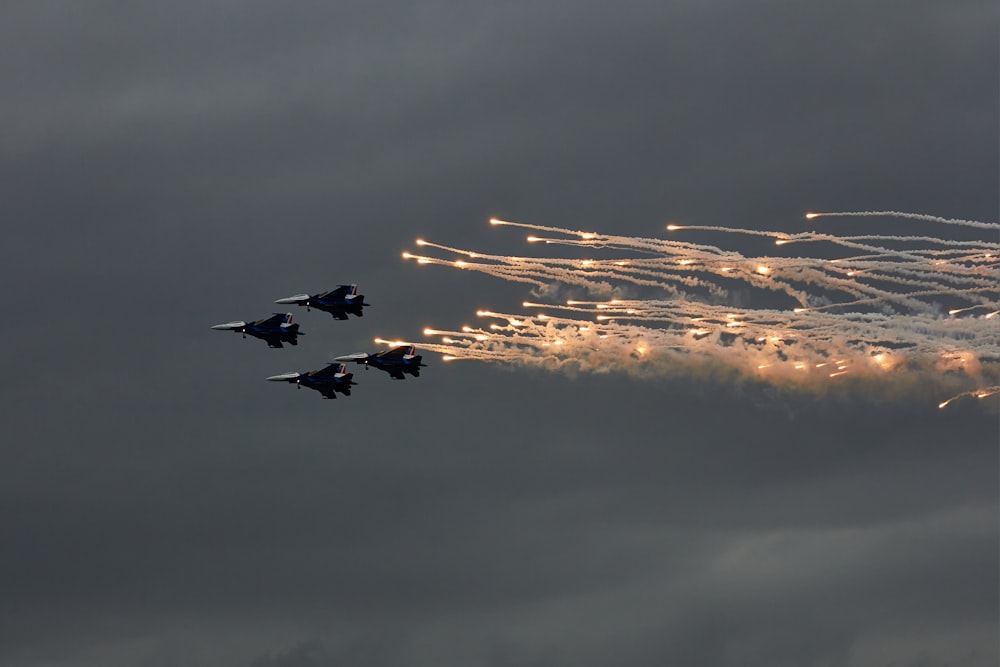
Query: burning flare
(923, 305)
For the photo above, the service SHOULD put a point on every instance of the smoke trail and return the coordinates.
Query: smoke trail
(900, 214)
(907, 309)
(978, 393)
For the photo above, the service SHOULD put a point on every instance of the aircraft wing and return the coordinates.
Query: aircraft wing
(272, 341)
(277, 319)
(330, 370)
(327, 391)
(337, 313)
(342, 290)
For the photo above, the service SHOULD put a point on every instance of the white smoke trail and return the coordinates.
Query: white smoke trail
(900, 214)
(909, 313)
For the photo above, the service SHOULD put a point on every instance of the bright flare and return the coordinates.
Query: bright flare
(881, 292)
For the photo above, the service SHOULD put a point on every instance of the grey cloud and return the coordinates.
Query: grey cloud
(168, 168)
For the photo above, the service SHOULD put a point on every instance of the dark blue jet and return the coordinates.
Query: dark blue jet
(395, 361)
(339, 302)
(327, 381)
(276, 329)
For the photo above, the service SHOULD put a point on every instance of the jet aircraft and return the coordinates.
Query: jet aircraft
(276, 329)
(328, 380)
(395, 361)
(339, 302)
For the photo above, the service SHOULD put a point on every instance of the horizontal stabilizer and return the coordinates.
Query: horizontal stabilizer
(229, 326)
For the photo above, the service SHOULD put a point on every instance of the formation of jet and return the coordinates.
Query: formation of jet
(396, 361)
(333, 378)
(276, 329)
(339, 302)
(328, 380)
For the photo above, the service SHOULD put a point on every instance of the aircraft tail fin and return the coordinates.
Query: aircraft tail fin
(346, 378)
(287, 326)
(412, 361)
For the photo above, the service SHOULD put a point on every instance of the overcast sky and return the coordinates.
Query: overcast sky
(168, 166)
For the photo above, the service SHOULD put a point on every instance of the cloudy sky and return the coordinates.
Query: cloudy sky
(169, 166)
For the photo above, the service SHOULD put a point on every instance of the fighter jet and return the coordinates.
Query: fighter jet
(327, 381)
(395, 361)
(339, 302)
(276, 329)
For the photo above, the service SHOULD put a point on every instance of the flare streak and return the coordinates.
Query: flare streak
(892, 306)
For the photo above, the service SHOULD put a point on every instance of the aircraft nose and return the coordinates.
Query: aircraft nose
(298, 298)
(283, 377)
(228, 326)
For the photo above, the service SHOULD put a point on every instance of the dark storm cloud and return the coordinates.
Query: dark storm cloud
(169, 167)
